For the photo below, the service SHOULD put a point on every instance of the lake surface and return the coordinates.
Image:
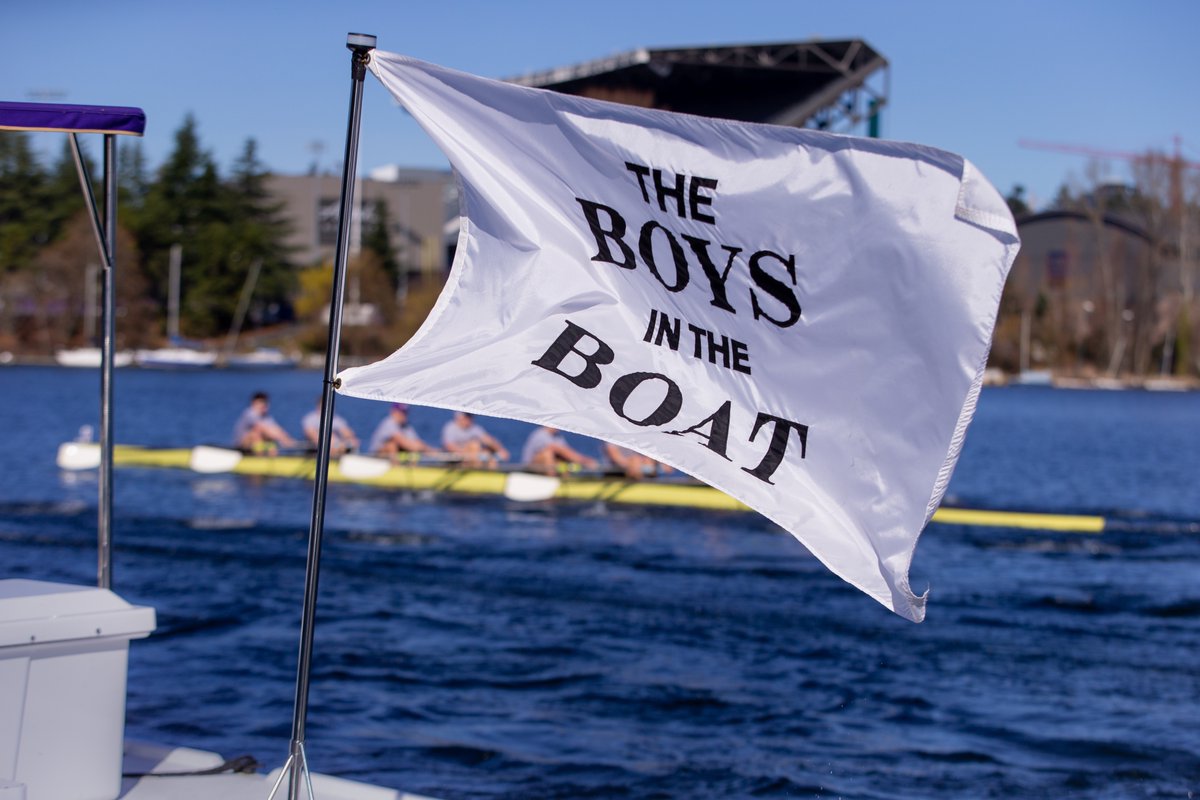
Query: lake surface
(477, 648)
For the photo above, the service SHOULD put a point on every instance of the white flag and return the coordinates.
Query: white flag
(797, 318)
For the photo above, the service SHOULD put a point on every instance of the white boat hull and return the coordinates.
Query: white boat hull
(90, 357)
(175, 358)
(263, 358)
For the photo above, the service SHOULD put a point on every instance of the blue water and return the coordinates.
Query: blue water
(474, 648)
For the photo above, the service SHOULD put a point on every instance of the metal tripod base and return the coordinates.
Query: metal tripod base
(294, 768)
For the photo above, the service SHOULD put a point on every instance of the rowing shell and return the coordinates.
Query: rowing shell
(418, 476)
(518, 486)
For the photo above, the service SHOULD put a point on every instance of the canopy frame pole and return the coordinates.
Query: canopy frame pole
(106, 238)
(296, 767)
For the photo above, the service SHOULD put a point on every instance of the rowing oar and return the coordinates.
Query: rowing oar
(211, 460)
(527, 487)
(1067, 523)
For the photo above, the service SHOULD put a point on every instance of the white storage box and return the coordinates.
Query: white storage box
(63, 657)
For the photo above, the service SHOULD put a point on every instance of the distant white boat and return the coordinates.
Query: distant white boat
(175, 358)
(993, 376)
(89, 357)
(1034, 377)
(1109, 384)
(262, 358)
(1167, 384)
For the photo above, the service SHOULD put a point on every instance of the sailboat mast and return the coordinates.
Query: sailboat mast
(174, 276)
(91, 275)
(239, 314)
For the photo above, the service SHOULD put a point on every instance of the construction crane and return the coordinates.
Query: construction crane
(1176, 164)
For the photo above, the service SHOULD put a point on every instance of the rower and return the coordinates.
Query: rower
(256, 432)
(463, 436)
(635, 465)
(546, 449)
(341, 439)
(395, 435)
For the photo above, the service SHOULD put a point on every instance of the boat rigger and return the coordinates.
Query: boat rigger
(437, 477)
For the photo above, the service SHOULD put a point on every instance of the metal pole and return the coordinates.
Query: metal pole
(105, 232)
(360, 46)
(107, 341)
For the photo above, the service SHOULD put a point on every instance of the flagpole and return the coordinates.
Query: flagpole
(360, 46)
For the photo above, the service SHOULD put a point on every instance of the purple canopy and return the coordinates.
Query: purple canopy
(69, 118)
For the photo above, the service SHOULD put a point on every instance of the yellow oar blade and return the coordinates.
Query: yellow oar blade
(1019, 519)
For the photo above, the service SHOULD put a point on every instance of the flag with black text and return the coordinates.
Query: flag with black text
(797, 318)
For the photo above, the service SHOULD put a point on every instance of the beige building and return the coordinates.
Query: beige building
(418, 201)
(1086, 291)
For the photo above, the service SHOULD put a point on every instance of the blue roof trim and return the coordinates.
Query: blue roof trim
(72, 118)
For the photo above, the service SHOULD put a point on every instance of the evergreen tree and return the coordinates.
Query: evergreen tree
(213, 274)
(1016, 201)
(260, 234)
(171, 214)
(62, 198)
(24, 224)
(224, 227)
(377, 239)
(133, 181)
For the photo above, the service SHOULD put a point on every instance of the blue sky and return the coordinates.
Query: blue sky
(973, 78)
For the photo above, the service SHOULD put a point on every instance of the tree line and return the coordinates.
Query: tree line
(223, 223)
(1114, 294)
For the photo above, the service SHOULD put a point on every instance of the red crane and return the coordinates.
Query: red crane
(1175, 163)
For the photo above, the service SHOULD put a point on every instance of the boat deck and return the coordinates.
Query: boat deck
(148, 758)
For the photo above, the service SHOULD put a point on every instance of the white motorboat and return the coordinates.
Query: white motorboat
(64, 648)
(63, 657)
